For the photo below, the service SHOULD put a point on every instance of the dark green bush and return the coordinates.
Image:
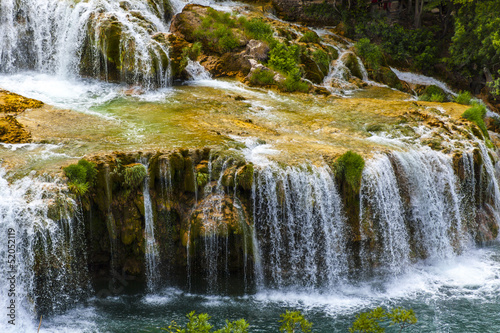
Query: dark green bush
(134, 174)
(310, 37)
(476, 114)
(262, 77)
(81, 176)
(257, 29)
(433, 94)
(283, 58)
(370, 53)
(349, 168)
(321, 58)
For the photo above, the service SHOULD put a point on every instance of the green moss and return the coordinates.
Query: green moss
(81, 176)
(433, 94)
(245, 177)
(349, 168)
(322, 59)
(464, 97)
(257, 29)
(134, 174)
(310, 37)
(202, 179)
(262, 77)
(476, 114)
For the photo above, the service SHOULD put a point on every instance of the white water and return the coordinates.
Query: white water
(300, 227)
(414, 78)
(53, 249)
(151, 249)
(65, 39)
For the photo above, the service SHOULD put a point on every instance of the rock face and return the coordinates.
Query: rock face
(211, 210)
(11, 131)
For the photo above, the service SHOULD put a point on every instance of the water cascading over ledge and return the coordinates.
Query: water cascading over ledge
(205, 218)
(50, 266)
(117, 41)
(219, 217)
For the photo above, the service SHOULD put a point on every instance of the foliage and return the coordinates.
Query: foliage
(310, 37)
(257, 29)
(216, 31)
(134, 174)
(370, 53)
(349, 167)
(321, 58)
(475, 45)
(262, 77)
(293, 82)
(294, 321)
(81, 176)
(433, 94)
(476, 114)
(463, 97)
(283, 58)
(199, 324)
(369, 322)
(408, 46)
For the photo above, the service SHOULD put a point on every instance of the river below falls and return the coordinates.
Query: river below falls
(457, 295)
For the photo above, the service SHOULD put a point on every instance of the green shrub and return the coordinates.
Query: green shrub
(463, 97)
(216, 32)
(310, 37)
(257, 29)
(199, 324)
(134, 174)
(369, 322)
(349, 168)
(262, 77)
(283, 58)
(293, 82)
(370, 53)
(81, 176)
(433, 93)
(294, 321)
(476, 114)
(321, 58)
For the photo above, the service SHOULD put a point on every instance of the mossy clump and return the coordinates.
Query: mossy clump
(349, 168)
(262, 77)
(257, 29)
(134, 174)
(310, 37)
(81, 176)
(463, 97)
(245, 177)
(433, 94)
(370, 53)
(476, 114)
(216, 32)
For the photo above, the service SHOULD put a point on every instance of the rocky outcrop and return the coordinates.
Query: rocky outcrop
(11, 105)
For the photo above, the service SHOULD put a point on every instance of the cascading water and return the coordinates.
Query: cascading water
(300, 228)
(382, 210)
(116, 41)
(151, 249)
(49, 272)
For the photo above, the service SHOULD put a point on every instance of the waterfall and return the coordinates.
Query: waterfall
(112, 40)
(300, 227)
(215, 230)
(50, 267)
(196, 71)
(382, 216)
(151, 249)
